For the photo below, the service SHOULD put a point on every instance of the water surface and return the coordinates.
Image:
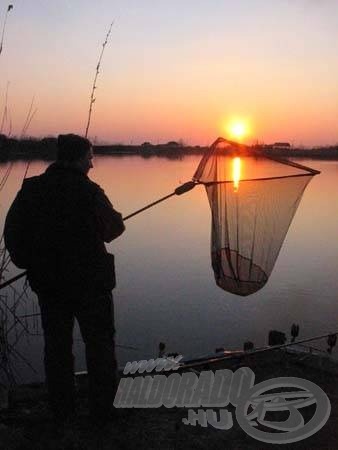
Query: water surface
(165, 285)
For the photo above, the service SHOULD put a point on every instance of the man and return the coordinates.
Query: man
(65, 218)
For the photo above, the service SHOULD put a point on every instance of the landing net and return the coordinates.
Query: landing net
(253, 199)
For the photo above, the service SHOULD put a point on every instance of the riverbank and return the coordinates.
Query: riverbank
(46, 148)
(28, 424)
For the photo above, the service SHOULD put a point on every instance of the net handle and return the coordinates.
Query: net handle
(182, 189)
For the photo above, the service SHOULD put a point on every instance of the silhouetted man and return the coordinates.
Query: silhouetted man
(67, 219)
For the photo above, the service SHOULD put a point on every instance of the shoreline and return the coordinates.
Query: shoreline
(28, 423)
(27, 149)
(37, 154)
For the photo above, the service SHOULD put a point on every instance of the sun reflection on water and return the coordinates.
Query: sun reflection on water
(236, 172)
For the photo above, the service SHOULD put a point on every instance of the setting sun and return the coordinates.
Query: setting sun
(237, 129)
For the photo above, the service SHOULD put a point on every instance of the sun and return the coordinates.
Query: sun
(237, 129)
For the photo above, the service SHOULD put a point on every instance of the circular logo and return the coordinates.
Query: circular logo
(254, 407)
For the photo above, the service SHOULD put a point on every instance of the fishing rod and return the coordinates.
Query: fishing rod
(182, 189)
(192, 363)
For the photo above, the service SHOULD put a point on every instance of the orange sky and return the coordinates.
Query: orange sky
(173, 71)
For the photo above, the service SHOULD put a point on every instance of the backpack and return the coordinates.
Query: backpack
(19, 223)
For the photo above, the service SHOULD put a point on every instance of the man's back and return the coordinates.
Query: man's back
(66, 246)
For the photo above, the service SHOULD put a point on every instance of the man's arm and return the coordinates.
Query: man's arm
(109, 220)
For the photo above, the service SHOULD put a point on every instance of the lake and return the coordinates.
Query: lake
(166, 291)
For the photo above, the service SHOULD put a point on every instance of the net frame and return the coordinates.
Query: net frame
(246, 150)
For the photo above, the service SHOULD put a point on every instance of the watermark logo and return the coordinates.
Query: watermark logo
(159, 364)
(270, 411)
(254, 408)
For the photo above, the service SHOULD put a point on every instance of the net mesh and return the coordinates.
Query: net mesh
(253, 200)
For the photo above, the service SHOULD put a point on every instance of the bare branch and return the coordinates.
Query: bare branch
(4, 27)
(92, 99)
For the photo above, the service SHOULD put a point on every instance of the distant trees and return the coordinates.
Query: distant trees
(46, 148)
(12, 148)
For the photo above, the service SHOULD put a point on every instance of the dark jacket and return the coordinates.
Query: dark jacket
(67, 220)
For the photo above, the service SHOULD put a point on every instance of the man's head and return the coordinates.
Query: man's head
(75, 151)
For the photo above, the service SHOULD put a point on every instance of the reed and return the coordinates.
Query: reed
(5, 112)
(9, 7)
(31, 113)
(94, 86)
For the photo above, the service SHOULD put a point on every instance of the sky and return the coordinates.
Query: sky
(173, 70)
